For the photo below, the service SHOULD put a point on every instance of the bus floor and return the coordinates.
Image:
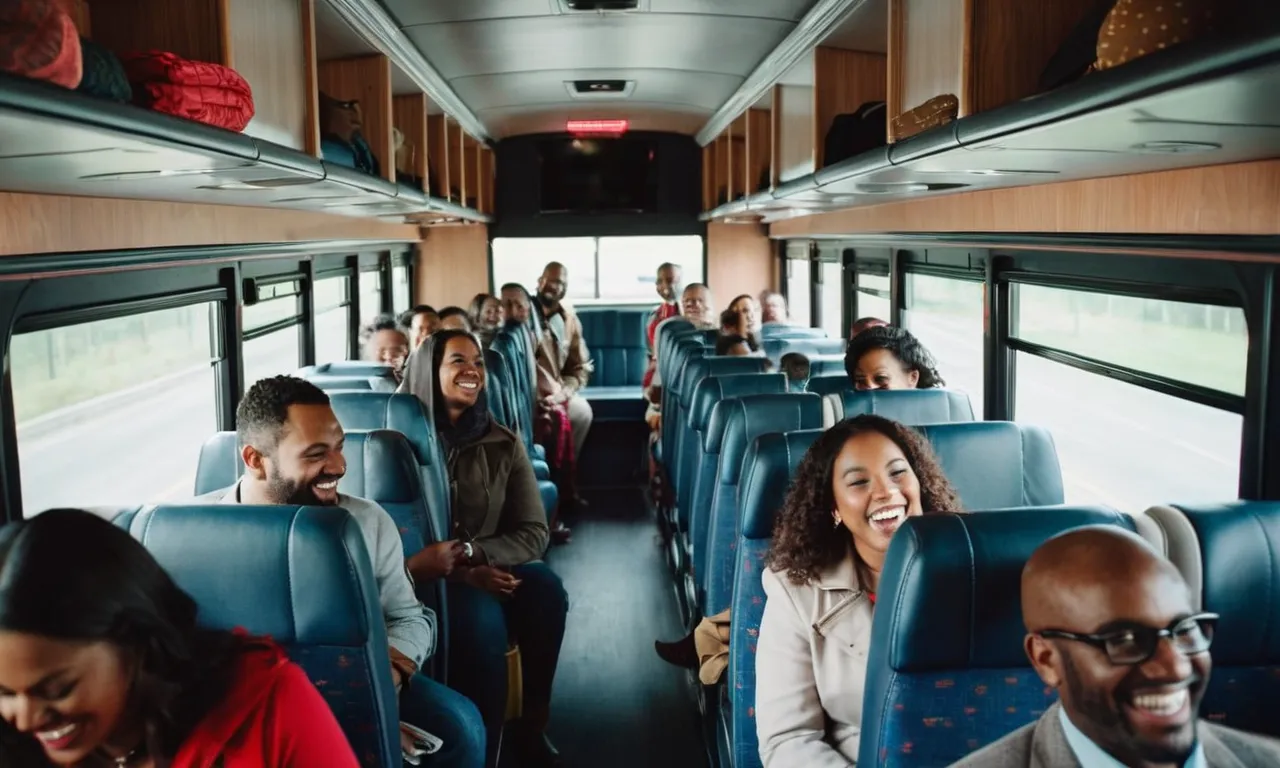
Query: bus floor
(615, 702)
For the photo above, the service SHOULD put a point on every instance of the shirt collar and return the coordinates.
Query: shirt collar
(1089, 754)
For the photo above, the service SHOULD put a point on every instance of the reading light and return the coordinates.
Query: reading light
(597, 127)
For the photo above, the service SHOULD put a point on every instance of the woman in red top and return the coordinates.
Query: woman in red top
(102, 664)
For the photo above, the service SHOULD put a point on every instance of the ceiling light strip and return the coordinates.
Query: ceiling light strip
(379, 30)
(821, 20)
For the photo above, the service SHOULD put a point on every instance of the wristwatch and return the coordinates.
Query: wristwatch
(468, 551)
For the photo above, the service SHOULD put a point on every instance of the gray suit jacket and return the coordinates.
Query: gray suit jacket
(1043, 744)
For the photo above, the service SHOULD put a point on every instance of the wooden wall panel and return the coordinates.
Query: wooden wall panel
(193, 29)
(453, 141)
(1238, 199)
(759, 142)
(722, 185)
(709, 176)
(928, 55)
(453, 265)
(78, 10)
(311, 136)
(366, 79)
(738, 157)
(794, 107)
(60, 224)
(266, 45)
(740, 259)
(438, 155)
(842, 82)
(409, 113)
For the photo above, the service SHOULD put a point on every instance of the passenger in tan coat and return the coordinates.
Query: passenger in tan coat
(854, 489)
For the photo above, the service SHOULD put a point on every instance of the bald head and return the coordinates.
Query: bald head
(1075, 577)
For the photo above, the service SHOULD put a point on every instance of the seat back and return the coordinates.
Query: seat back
(339, 383)
(405, 414)
(998, 464)
(827, 383)
(500, 389)
(909, 406)
(826, 365)
(616, 338)
(345, 368)
(509, 343)
(785, 331)
(712, 390)
(734, 426)
(311, 588)
(1231, 566)
(767, 470)
(946, 672)
(774, 349)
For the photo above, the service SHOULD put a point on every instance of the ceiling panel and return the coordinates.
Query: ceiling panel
(789, 10)
(547, 87)
(411, 12)
(621, 41)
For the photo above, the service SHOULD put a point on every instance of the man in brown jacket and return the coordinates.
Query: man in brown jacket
(564, 364)
(1111, 626)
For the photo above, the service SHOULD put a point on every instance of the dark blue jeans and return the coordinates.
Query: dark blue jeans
(448, 715)
(479, 627)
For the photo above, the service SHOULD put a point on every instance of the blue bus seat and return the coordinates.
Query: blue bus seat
(620, 352)
(946, 670)
(1231, 567)
(998, 464)
(909, 406)
(774, 349)
(333, 627)
(345, 368)
(736, 424)
(339, 383)
(513, 343)
(786, 331)
(767, 470)
(828, 383)
(826, 365)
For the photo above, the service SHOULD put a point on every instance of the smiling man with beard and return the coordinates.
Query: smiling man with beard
(291, 444)
(1111, 626)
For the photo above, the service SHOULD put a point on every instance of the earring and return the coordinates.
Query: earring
(837, 519)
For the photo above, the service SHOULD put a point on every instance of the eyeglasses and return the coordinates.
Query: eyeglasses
(1131, 645)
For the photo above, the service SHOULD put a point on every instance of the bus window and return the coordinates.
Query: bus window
(370, 295)
(798, 290)
(522, 259)
(1119, 443)
(628, 266)
(332, 310)
(833, 300)
(946, 315)
(873, 297)
(272, 342)
(401, 293)
(114, 411)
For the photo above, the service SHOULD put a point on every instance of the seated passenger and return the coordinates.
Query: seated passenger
(853, 490)
(863, 323)
(733, 345)
(888, 357)
(735, 323)
(564, 363)
(422, 321)
(102, 663)
(386, 342)
(894, 465)
(291, 443)
(455, 318)
(500, 589)
(667, 284)
(485, 314)
(773, 308)
(1111, 627)
(796, 367)
(750, 311)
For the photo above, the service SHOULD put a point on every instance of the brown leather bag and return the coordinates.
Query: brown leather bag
(1137, 27)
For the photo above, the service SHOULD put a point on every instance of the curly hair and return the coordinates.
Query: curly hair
(904, 346)
(804, 543)
(116, 593)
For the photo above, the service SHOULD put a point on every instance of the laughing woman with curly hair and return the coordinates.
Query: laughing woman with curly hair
(854, 488)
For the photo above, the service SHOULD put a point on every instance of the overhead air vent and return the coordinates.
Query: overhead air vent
(599, 89)
(601, 5)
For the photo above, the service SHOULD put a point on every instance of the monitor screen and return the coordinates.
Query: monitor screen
(585, 175)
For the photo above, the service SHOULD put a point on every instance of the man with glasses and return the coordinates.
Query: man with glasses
(1111, 627)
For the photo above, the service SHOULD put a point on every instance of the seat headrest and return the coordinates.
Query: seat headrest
(829, 383)
(287, 555)
(784, 331)
(908, 406)
(220, 465)
(345, 368)
(950, 592)
(403, 413)
(771, 462)
(736, 422)
(1240, 558)
(339, 383)
(774, 349)
(998, 464)
(713, 389)
(699, 368)
(381, 467)
(825, 365)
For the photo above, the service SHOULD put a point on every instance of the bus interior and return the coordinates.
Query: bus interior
(1087, 240)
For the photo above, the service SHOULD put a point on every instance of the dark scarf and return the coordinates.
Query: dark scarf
(420, 380)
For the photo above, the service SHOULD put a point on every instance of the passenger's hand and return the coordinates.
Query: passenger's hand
(495, 581)
(654, 419)
(437, 561)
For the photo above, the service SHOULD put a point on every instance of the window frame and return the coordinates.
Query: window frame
(595, 300)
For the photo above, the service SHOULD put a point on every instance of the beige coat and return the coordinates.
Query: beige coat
(811, 667)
